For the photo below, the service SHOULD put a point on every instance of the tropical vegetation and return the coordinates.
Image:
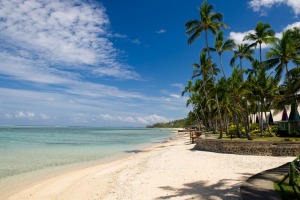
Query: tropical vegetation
(256, 84)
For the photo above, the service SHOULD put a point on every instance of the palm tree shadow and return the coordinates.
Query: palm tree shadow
(203, 190)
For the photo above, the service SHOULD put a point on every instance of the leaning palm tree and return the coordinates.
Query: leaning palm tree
(282, 52)
(262, 34)
(209, 21)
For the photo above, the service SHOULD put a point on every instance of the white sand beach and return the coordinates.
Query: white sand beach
(169, 170)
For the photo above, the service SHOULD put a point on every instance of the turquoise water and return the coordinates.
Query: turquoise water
(28, 149)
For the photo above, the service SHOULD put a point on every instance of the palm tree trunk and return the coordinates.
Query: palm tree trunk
(216, 95)
(248, 126)
(261, 118)
(232, 100)
(226, 122)
(260, 60)
(287, 74)
(210, 121)
(268, 124)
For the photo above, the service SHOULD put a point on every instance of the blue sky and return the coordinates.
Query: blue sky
(110, 62)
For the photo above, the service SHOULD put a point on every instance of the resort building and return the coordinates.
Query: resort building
(287, 119)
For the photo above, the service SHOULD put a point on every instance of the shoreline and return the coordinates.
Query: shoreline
(169, 169)
(23, 181)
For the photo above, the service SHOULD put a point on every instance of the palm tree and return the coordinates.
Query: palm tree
(235, 84)
(194, 99)
(202, 69)
(282, 52)
(221, 46)
(209, 21)
(264, 88)
(262, 34)
(243, 51)
(225, 100)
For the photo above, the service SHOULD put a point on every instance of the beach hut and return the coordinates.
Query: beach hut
(270, 121)
(284, 115)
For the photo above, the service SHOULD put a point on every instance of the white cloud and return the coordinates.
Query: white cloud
(291, 26)
(26, 115)
(176, 96)
(68, 33)
(44, 116)
(161, 31)
(80, 118)
(136, 41)
(149, 119)
(8, 116)
(20, 114)
(30, 115)
(263, 5)
(238, 38)
(178, 85)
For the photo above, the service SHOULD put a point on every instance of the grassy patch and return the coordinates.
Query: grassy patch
(286, 192)
(266, 138)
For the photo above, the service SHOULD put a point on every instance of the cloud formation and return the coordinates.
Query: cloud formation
(145, 120)
(61, 33)
(239, 36)
(161, 31)
(263, 5)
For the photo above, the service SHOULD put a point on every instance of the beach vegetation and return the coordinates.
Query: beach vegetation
(258, 83)
(181, 123)
(286, 191)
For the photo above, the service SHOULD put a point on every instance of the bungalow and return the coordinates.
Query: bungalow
(288, 118)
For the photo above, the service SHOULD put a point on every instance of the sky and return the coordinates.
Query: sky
(111, 63)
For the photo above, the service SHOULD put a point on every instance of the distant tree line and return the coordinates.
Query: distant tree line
(188, 122)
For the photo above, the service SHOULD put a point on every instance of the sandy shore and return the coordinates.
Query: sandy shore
(170, 170)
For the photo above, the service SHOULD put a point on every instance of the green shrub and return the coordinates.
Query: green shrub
(254, 126)
(256, 132)
(274, 129)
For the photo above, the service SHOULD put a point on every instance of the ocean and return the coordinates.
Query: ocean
(25, 150)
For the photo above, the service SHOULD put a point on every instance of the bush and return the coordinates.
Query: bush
(254, 126)
(282, 133)
(295, 134)
(274, 129)
(255, 132)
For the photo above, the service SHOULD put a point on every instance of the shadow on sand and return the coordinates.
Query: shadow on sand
(203, 190)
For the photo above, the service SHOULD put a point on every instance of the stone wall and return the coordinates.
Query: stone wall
(262, 148)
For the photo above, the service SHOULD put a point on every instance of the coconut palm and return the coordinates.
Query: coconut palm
(262, 34)
(235, 85)
(203, 69)
(221, 46)
(209, 21)
(243, 51)
(264, 87)
(224, 100)
(194, 100)
(282, 52)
